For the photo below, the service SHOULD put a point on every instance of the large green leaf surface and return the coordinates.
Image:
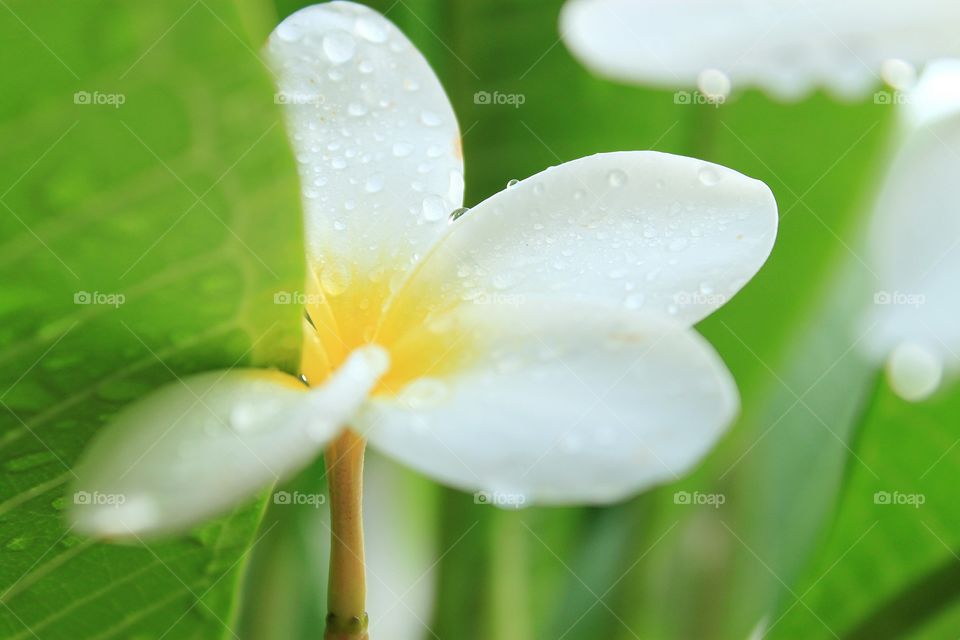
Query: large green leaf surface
(148, 212)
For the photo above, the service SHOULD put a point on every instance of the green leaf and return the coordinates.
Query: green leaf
(891, 553)
(149, 212)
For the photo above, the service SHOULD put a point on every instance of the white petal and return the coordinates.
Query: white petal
(553, 402)
(641, 229)
(936, 96)
(915, 239)
(787, 48)
(208, 442)
(401, 549)
(375, 138)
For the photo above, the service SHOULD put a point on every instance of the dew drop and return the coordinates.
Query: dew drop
(334, 279)
(616, 178)
(339, 46)
(371, 30)
(373, 184)
(287, 32)
(899, 74)
(356, 109)
(914, 371)
(430, 119)
(634, 301)
(538, 189)
(714, 85)
(433, 208)
(424, 392)
(708, 175)
(512, 183)
(402, 149)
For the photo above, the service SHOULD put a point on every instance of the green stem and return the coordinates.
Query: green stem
(346, 608)
(510, 604)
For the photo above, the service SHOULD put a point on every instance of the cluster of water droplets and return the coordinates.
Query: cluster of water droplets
(575, 235)
(374, 138)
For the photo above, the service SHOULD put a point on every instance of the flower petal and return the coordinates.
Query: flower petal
(640, 229)
(915, 229)
(400, 543)
(375, 137)
(554, 402)
(786, 48)
(206, 443)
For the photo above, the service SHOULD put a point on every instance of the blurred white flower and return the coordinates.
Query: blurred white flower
(915, 239)
(784, 47)
(538, 347)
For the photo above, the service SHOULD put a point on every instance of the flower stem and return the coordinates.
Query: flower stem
(346, 595)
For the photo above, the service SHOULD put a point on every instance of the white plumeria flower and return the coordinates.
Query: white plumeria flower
(915, 240)
(540, 345)
(786, 47)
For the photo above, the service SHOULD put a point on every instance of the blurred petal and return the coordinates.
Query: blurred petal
(375, 137)
(553, 402)
(639, 229)
(935, 96)
(208, 442)
(915, 228)
(401, 549)
(786, 48)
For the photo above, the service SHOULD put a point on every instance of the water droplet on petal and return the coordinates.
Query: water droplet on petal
(898, 73)
(334, 279)
(456, 213)
(430, 119)
(356, 109)
(714, 85)
(287, 31)
(512, 183)
(372, 30)
(914, 371)
(708, 175)
(616, 178)
(373, 184)
(402, 149)
(424, 392)
(634, 301)
(433, 208)
(339, 46)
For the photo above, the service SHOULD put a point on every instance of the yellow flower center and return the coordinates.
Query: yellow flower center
(348, 309)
